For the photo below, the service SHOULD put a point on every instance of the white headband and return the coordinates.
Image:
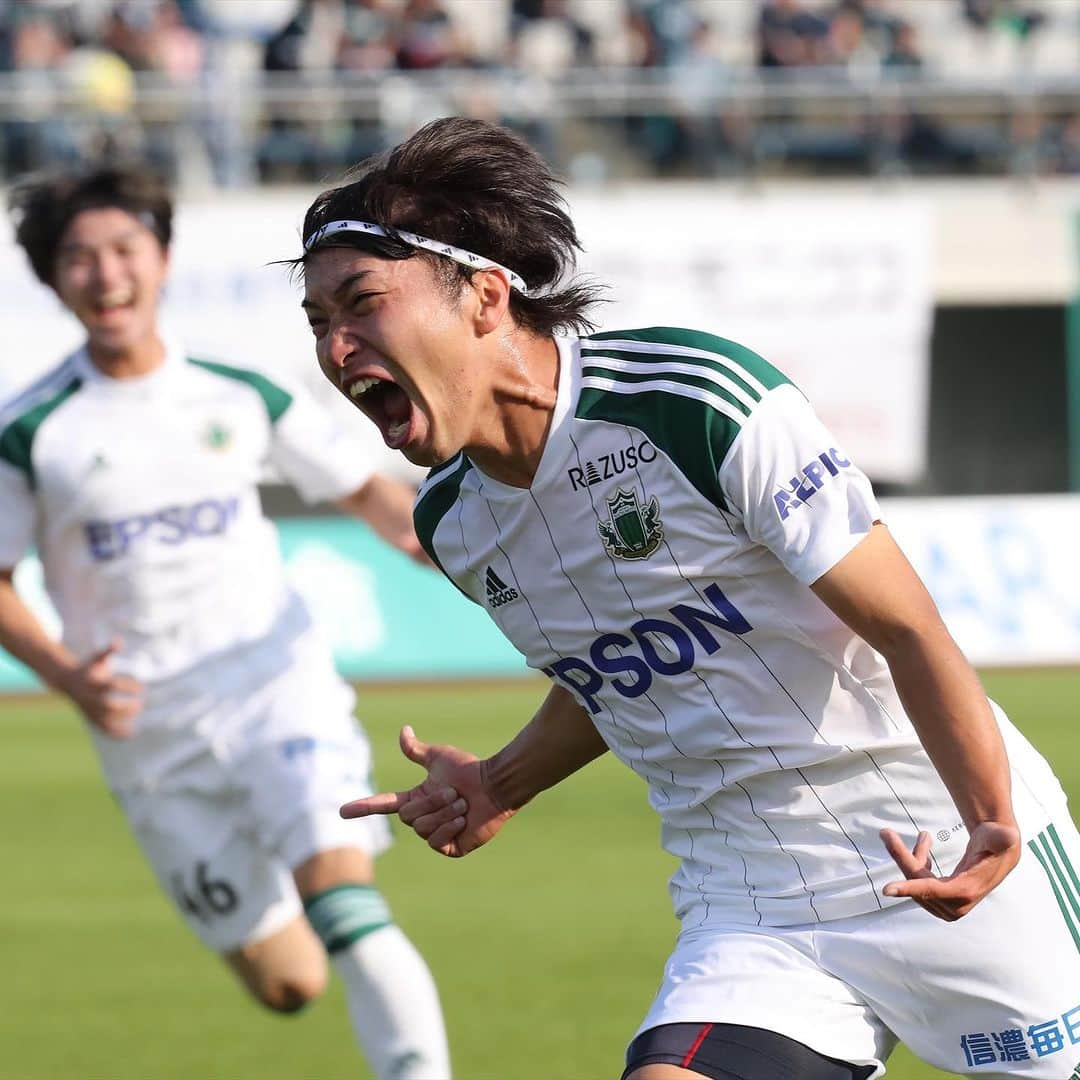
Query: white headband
(459, 255)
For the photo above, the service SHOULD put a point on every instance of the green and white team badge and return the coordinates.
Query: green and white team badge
(632, 531)
(217, 436)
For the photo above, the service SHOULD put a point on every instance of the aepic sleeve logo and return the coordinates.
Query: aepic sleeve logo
(808, 481)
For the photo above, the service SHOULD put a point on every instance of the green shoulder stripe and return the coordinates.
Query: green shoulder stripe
(688, 391)
(433, 505)
(664, 344)
(595, 366)
(694, 435)
(17, 439)
(274, 398)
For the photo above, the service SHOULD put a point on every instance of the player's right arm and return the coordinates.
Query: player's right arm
(107, 700)
(464, 801)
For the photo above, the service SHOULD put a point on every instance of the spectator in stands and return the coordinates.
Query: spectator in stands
(38, 45)
(880, 22)
(368, 37)
(429, 38)
(845, 44)
(153, 37)
(671, 34)
(904, 51)
(1019, 19)
(309, 41)
(368, 46)
(292, 145)
(790, 35)
(548, 27)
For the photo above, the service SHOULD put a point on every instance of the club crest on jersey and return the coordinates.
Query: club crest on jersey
(632, 531)
(217, 436)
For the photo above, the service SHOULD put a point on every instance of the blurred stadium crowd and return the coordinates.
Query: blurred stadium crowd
(241, 91)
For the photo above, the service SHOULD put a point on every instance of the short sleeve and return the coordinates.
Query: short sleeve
(313, 453)
(797, 492)
(19, 515)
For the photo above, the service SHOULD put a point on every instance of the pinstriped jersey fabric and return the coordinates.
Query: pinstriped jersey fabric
(658, 567)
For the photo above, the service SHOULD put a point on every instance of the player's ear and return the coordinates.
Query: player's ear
(493, 296)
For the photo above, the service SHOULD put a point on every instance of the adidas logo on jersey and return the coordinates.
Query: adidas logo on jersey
(498, 592)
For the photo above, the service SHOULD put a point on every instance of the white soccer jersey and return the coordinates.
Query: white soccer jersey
(658, 567)
(141, 497)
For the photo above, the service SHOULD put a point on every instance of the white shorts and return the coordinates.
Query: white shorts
(995, 994)
(244, 805)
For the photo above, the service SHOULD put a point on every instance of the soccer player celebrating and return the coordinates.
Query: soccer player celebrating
(221, 725)
(659, 522)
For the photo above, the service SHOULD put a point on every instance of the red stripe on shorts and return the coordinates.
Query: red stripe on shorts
(695, 1046)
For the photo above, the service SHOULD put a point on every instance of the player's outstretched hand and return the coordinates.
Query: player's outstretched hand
(993, 850)
(108, 701)
(452, 809)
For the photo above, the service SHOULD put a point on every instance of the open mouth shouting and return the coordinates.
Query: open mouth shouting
(385, 403)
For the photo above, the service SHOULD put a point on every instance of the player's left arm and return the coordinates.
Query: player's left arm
(328, 464)
(800, 496)
(385, 504)
(876, 592)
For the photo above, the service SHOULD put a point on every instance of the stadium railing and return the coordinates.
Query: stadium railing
(698, 120)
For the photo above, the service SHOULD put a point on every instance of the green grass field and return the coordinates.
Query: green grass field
(547, 945)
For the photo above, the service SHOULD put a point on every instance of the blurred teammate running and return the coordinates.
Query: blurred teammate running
(221, 725)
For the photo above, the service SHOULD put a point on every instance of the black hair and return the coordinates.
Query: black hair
(478, 187)
(42, 206)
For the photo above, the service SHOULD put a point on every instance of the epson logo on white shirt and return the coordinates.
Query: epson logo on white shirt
(169, 525)
(803, 486)
(653, 647)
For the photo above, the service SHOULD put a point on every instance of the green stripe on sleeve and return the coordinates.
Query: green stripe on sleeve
(693, 434)
(688, 391)
(17, 439)
(594, 366)
(274, 398)
(433, 507)
(724, 349)
(660, 365)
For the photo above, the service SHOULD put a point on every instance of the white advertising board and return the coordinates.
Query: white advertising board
(1003, 571)
(834, 290)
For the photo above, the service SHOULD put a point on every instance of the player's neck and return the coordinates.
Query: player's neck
(511, 438)
(129, 361)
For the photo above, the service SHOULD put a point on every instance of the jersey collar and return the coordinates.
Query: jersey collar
(139, 384)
